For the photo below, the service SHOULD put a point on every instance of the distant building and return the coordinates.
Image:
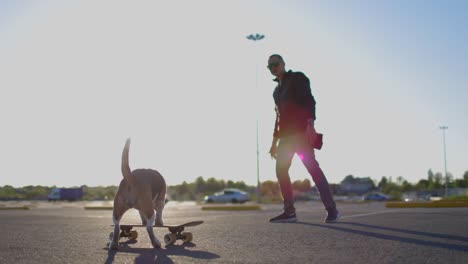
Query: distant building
(351, 185)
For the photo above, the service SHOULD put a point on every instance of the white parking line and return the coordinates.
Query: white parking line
(367, 214)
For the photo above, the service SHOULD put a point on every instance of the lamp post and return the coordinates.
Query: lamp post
(445, 161)
(255, 38)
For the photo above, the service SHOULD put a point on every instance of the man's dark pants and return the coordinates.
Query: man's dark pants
(287, 147)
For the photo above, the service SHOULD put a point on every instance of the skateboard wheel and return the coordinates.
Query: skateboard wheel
(187, 237)
(170, 239)
(133, 235)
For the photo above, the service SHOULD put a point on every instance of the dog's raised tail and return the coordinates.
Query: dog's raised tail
(126, 172)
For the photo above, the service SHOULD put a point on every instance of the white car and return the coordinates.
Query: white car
(228, 196)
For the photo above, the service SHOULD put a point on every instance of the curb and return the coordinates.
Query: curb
(230, 208)
(434, 204)
(15, 208)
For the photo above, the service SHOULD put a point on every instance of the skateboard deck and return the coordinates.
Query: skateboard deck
(176, 232)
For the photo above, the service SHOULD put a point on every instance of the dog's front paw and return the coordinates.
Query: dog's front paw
(156, 243)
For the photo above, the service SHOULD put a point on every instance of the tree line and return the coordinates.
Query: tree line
(38, 192)
(269, 190)
(434, 181)
(181, 192)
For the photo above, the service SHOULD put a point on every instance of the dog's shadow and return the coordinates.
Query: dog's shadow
(162, 255)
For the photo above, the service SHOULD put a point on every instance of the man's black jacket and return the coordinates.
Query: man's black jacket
(294, 104)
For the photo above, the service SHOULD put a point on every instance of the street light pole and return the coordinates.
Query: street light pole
(445, 161)
(255, 38)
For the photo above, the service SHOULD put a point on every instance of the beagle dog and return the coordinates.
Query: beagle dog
(142, 189)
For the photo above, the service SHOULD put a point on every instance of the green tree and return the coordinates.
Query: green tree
(35, 192)
(393, 190)
(400, 180)
(183, 192)
(422, 185)
(430, 176)
(270, 191)
(370, 181)
(438, 179)
(349, 178)
(302, 186)
(213, 185)
(8, 192)
(200, 185)
(449, 179)
(237, 185)
(460, 183)
(406, 186)
(465, 179)
(383, 182)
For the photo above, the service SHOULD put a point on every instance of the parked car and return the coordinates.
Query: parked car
(69, 194)
(375, 197)
(228, 196)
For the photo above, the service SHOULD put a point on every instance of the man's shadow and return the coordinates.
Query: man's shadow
(153, 255)
(338, 227)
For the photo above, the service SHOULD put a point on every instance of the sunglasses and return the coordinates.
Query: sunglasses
(273, 65)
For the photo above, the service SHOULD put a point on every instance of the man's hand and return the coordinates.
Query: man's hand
(311, 134)
(273, 151)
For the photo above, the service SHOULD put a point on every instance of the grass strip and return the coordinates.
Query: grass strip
(15, 208)
(433, 204)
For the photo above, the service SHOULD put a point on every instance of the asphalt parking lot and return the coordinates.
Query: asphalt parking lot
(367, 233)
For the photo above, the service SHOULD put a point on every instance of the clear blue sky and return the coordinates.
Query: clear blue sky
(77, 78)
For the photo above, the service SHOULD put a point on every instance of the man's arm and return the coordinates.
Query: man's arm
(274, 142)
(303, 95)
(276, 129)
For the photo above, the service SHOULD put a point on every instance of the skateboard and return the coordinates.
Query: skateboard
(176, 232)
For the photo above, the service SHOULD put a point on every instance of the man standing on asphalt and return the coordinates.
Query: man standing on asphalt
(294, 129)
